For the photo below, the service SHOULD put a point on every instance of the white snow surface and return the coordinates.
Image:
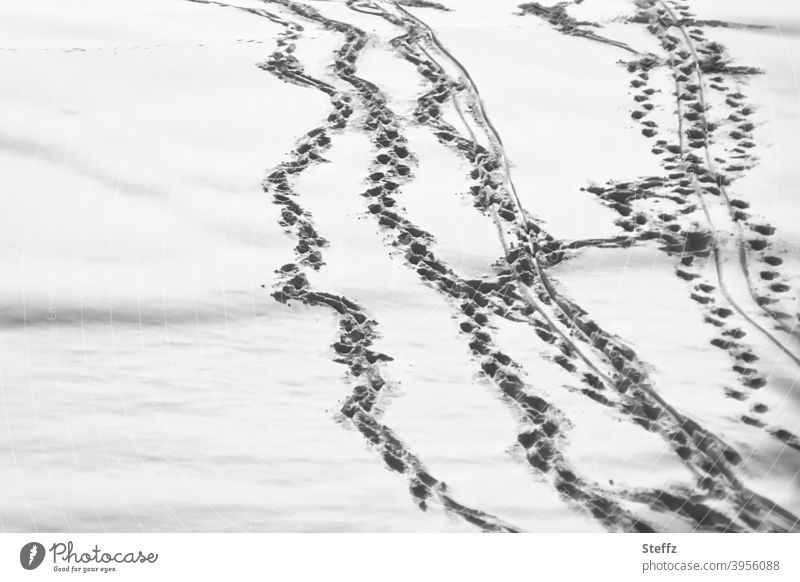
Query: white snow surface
(150, 382)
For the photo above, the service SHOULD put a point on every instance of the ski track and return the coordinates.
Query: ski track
(520, 289)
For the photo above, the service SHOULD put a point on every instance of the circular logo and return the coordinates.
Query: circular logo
(31, 555)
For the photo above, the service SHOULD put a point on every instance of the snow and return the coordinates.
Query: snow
(151, 383)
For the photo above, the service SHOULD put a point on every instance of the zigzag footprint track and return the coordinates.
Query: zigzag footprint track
(519, 289)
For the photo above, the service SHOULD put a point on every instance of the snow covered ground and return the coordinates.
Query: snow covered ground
(399, 266)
